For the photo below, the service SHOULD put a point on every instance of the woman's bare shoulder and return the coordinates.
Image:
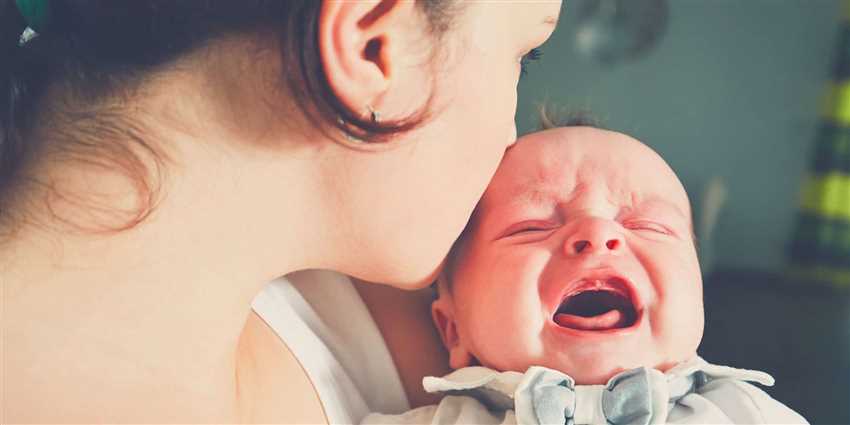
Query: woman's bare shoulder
(272, 387)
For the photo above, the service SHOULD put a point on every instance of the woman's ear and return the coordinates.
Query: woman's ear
(442, 312)
(358, 43)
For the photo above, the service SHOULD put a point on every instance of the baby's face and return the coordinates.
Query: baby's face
(581, 258)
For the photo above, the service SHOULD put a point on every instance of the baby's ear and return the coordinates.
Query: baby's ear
(442, 311)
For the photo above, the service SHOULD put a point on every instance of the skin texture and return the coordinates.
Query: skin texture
(155, 322)
(555, 191)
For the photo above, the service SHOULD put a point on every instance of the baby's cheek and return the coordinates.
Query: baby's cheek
(682, 273)
(683, 318)
(509, 338)
(516, 318)
(678, 321)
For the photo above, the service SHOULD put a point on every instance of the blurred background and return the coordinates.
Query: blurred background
(749, 102)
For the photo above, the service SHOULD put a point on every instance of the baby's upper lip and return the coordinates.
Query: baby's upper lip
(607, 278)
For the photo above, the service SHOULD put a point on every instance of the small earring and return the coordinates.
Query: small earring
(373, 114)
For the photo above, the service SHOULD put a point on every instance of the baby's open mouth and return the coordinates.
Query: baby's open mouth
(597, 305)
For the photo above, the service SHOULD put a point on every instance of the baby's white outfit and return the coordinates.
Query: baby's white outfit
(694, 392)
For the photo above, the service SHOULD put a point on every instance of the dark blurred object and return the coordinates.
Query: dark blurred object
(798, 333)
(614, 31)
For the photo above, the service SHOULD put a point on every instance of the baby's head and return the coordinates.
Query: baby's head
(580, 257)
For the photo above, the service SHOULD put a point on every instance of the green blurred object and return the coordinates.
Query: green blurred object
(820, 248)
(35, 12)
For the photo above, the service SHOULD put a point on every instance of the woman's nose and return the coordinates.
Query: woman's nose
(594, 236)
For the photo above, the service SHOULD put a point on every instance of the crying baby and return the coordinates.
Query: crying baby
(574, 296)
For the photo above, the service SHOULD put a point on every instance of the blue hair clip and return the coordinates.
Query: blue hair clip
(36, 13)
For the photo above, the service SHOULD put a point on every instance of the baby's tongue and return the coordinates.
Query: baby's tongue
(607, 320)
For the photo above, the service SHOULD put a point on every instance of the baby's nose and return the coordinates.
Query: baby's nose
(594, 236)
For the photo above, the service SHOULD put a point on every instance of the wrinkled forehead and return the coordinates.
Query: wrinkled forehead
(560, 163)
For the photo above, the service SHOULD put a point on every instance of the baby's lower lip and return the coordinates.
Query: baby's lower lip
(564, 325)
(612, 319)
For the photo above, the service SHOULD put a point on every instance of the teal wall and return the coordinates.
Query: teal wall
(731, 90)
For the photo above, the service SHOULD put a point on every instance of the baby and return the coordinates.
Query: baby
(574, 296)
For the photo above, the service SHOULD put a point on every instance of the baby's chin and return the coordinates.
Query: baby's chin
(591, 374)
(596, 371)
(598, 368)
(599, 375)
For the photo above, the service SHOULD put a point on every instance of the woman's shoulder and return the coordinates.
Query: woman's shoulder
(272, 386)
(324, 323)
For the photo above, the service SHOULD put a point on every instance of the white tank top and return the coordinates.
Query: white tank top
(324, 322)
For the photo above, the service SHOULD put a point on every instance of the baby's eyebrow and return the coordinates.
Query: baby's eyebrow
(535, 192)
(665, 203)
(535, 196)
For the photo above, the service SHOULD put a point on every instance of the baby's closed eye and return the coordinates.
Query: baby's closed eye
(529, 229)
(648, 225)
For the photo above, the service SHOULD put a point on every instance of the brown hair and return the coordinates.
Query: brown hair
(100, 49)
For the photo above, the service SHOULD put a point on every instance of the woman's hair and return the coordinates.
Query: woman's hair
(102, 49)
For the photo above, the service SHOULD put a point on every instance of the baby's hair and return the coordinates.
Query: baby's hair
(550, 117)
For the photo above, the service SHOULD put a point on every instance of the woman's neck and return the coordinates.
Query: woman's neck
(152, 316)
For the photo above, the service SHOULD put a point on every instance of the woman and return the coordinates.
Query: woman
(161, 161)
